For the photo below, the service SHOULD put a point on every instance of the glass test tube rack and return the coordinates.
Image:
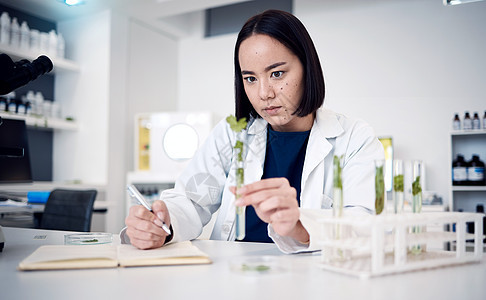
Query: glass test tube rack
(370, 245)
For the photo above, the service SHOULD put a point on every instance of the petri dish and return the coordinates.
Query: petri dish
(257, 265)
(92, 238)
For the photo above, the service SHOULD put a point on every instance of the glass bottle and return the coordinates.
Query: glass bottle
(21, 107)
(379, 186)
(456, 122)
(3, 104)
(467, 125)
(61, 46)
(15, 33)
(484, 120)
(24, 36)
(398, 189)
(5, 28)
(459, 171)
(476, 123)
(475, 171)
(12, 105)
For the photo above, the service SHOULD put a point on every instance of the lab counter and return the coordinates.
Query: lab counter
(293, 277)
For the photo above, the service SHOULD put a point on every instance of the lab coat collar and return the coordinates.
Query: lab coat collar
(327, 122)
(326, 127)
(257, 125)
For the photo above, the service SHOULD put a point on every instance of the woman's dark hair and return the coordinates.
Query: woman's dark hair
(288, 30)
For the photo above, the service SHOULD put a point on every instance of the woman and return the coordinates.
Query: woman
(291, 142)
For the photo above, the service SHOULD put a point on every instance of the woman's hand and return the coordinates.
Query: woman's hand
(275, 202)
(144, 228)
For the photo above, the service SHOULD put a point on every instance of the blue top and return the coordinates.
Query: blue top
(284, 158)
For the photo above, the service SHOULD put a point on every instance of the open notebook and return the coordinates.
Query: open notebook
(57, 257)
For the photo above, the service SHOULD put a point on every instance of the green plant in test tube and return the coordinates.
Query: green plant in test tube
(238, 126)
(417, 195)
(379, 186)
(416, 200)
(398, 183)
(337, 205)
(398, 189)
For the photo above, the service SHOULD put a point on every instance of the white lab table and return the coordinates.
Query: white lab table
(301, 277)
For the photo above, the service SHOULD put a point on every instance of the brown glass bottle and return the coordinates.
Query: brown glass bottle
(459, 171)
(484, 120)
(476, 123)
(475, 171)
(467, 123)
(456, 122)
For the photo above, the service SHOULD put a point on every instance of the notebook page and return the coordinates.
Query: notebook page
(181, 249)
(172, 254)
(70, 256)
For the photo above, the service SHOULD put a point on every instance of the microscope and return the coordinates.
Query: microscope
(16, 74)
(12, 76)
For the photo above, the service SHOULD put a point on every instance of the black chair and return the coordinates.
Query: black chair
(69, 210)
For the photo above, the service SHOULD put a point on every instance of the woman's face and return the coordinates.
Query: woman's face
(273, 78)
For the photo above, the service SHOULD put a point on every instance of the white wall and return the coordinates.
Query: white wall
(152, 76)
(96, 98)
(205, 80)
(84, 96)
(126, 68)
(117, 160)
(404, 66)
(145, 81)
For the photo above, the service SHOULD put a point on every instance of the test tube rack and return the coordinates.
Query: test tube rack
(383, 243)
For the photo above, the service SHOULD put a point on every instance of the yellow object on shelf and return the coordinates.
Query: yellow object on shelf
(143, 145)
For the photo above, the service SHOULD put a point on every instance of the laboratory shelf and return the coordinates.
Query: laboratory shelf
(469, 132)
(60, 64)
(39, 122)
(468, 188)
(467, 143)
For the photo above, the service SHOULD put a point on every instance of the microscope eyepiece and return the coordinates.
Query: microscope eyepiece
(15, 75)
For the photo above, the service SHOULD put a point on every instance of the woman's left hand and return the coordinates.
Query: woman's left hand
(275, 202)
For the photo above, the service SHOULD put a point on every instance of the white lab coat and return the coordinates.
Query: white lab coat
(203, 187)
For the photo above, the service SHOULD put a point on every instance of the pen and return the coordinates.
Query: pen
(134, 193)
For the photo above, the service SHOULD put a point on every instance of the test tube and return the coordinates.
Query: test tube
(398, 196)
(416, 200)
(240, 180)
(417, 186)
(379, 186)
(337, 205)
